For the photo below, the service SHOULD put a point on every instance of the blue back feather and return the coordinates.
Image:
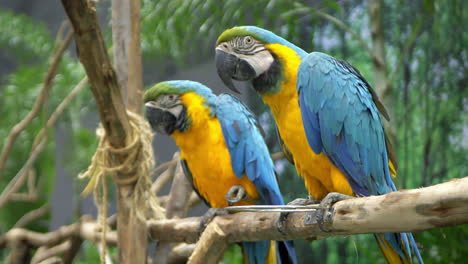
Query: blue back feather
(342, 121)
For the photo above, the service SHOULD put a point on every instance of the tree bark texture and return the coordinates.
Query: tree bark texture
(403, 211)
(105, 87)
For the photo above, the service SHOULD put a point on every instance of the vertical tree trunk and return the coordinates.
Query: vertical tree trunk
(381, 80)
(127, 51)
(132, 232)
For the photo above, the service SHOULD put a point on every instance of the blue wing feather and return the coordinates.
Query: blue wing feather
(341, 119)
(250, 156)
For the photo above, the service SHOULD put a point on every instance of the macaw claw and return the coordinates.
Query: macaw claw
(236, 194)
(208, 217)
(325, 214)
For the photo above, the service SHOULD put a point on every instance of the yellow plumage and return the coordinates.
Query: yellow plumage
(206, 153)
(320, 175)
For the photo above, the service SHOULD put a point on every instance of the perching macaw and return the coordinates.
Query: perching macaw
(221, 147)
(327, 115)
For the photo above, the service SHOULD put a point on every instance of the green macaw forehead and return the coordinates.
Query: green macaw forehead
(180, 88)
(160, 89)
(235, 32)
(260, 34)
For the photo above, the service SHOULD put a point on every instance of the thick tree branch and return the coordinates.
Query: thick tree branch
(104, 85)
(403, 211)
(93, 55)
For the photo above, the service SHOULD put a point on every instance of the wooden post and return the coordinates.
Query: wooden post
(93, 55)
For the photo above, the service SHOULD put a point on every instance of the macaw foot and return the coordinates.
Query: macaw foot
(236, 194)
(208, 217)
(326, 212)
(280, 224)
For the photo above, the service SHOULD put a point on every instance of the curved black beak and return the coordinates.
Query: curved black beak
(231, 67)
(226, 66)
(160, 120)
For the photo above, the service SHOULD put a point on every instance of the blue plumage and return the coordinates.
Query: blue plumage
(250, 156)
(342, 120)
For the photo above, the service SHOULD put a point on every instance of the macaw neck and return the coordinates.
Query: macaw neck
(201, 119)
(285, 90)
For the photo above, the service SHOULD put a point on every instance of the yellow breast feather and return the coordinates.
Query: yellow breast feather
(207, 156)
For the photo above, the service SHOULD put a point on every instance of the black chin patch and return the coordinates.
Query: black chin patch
(268, 81)
(160, 120)
(243, 71)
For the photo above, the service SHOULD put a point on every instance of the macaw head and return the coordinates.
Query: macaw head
(245, 54)
(166, 110)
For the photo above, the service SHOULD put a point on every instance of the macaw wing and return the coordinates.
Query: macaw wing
(341, 119)
(249, 154)
(287, 154)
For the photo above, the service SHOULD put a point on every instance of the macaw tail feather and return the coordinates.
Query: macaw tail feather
(396, 247)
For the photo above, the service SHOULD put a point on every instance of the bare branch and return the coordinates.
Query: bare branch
(176, 207)
(39, 143)
(47, 253)
(167, 175)
(17, 181)
(75, 244)
(278, 156)
(180, 253)
(52, 260)
(19, 254)
(32, 215)
(48, 80)
(86, 229)
(421, 209)
(163, 167)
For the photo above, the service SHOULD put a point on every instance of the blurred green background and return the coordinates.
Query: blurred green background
(427, 62)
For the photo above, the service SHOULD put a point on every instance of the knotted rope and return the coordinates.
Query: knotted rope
(137, 161)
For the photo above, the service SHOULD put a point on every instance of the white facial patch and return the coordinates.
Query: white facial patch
(176, 110)
(260, 61)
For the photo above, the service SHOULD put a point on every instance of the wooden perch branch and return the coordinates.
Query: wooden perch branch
(403, 211)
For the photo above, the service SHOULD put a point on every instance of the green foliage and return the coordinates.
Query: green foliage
(90, 254)
(29, 40)
(24, 37)
(179, 29)
(233, 255)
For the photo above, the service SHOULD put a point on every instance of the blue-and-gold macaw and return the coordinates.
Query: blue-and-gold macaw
(327, 115)
(221, 147)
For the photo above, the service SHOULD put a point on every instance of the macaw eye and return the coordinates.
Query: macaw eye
(248, 40)
(171, 97)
